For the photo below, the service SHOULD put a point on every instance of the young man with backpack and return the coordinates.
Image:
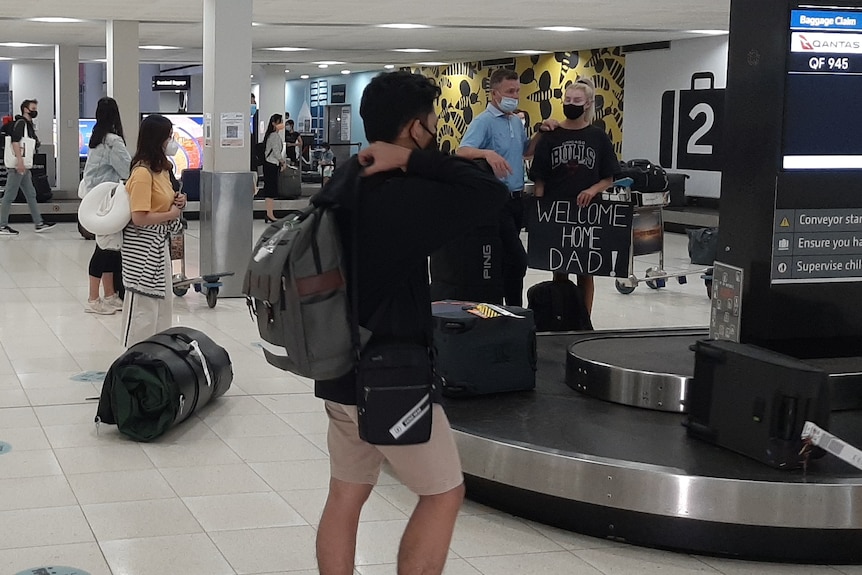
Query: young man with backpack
(410, 201)
(20, 176)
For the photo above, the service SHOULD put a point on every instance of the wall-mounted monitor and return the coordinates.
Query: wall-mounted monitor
(85, 130)
(823, 110)
(189, 134)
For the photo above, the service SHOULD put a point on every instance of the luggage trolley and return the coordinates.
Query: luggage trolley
(207, 284)
(647, 236)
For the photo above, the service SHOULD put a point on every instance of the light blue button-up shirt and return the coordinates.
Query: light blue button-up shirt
(503, 133)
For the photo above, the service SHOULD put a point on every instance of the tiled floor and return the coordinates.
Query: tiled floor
(239, 488)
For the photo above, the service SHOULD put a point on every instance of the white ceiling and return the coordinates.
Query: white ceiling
(345, 30)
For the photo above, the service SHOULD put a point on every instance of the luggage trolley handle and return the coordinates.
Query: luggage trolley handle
(703, 76)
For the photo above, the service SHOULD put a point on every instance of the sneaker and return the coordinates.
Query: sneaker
(114, 301)
(7, 231)
(44, 226)
(98, 306)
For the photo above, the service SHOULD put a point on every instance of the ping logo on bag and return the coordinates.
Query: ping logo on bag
(296, 290)
(486, 261)
(411, 418)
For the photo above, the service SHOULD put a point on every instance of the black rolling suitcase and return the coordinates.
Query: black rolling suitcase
(478, 355)
(558, 306)
(289, 183)
(469, 268)
(755, 401)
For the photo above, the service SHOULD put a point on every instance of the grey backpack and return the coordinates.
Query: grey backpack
(296, 288)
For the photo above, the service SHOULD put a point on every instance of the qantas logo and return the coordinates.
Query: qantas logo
(841, 43)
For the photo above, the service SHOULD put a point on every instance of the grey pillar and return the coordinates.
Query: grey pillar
(227, 183)
(66, 88)
(123, 76)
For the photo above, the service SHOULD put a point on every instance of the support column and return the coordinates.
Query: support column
(123, 75)
(272, 92)
(67, 88)
(227, 66)
(227, 188)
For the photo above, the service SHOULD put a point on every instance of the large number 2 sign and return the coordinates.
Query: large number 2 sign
(691, 122)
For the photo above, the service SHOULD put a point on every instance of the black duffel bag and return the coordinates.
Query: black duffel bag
(647, 177)
(161, 381)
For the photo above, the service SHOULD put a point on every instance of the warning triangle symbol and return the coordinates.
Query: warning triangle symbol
(785, 223)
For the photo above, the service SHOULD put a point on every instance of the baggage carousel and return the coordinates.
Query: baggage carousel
(629, 474)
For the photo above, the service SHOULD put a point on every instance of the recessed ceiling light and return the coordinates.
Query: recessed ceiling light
(709, 32)
(323, 65)
(433, 63)
(389, 66)
(55, 20)
(287, 49)
(527, 52)
(159, 47)
(562, 29)
(4, 58)
(329, 62)
(287, 71)
(20, 44)
(257, 24)
(345, 72)
(304, 76)
(403, 26)
(414, 50)
(251, 75)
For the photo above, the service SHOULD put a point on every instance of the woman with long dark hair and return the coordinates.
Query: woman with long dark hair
(156, 211)
(274, 162)
(107, 161)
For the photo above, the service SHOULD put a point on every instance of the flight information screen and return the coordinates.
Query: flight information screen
(823, 107)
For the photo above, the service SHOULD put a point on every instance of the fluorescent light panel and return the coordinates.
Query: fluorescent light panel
(562, 29)
(20, 44)
(55, 20)
(287, 49)
(413, 50)
(709, 32)
(404, 26)
(159, 47)
(527, 52)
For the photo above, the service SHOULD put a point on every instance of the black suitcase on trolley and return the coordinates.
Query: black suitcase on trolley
(469, 268)
(477, 355)
(755, 401)
(558, 306)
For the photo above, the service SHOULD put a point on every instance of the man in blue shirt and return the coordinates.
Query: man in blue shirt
(498, 137)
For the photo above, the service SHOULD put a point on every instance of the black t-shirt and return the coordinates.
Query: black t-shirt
(17, 130)
(570, 161)
(403, 218)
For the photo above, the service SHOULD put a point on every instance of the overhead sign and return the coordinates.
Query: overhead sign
(338, 93)
(691, 126)
(595, 240)
(172, 83)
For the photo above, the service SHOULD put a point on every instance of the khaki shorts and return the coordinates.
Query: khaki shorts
(426, 469)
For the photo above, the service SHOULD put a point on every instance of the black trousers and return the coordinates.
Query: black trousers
(514, 254)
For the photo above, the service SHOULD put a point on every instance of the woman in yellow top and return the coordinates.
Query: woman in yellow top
(156, 213)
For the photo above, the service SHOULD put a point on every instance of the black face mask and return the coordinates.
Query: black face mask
(33, 114)
(573, 111)
(433, 145)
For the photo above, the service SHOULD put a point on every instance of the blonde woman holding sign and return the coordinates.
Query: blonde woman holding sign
(576, 161)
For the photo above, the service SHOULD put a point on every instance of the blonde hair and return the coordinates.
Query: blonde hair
(586, 86)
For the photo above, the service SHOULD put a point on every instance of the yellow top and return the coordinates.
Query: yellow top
(149, 191)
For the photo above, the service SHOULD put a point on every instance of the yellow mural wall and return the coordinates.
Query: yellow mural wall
(543, 79)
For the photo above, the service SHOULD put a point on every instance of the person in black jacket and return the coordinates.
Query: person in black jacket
(411, 201)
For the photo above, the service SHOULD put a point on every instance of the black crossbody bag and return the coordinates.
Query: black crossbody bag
(394, 380)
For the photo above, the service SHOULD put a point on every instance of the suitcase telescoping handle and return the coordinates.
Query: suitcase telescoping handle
(703, 76)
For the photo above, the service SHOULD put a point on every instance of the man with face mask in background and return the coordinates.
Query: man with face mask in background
(20, 177)
(498, 137)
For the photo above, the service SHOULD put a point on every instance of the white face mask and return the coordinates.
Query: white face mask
(171, 148)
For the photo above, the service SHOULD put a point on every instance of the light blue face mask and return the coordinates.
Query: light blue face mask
(508, 105)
